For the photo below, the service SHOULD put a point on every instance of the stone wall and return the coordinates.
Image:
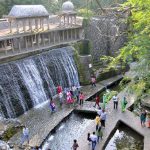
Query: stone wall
(107, 33)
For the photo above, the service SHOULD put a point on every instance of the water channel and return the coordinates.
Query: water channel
(71, 128)
(125, 139)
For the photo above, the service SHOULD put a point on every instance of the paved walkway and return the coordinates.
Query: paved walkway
(40, 121)
(113, 117)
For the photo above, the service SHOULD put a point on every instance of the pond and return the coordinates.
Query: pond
(125, 139)
(71, 128)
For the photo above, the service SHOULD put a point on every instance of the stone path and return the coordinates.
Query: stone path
(113, 117)
(40, 121)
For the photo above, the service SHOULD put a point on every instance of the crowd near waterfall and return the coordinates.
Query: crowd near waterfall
(31, 81)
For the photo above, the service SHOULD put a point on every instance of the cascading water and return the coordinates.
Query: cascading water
(31, 81)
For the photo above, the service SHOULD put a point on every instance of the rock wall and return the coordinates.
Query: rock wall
(107, 33)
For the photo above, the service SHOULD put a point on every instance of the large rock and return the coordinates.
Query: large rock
(146, 101)
(4, 145)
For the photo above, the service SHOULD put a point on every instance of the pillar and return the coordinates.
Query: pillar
(5, 45)
(64, 20)
(10, 26)
(49, 38)
(30, 25)
(17, 26)
(26, 43)
(12, 45)
(75, 20)
(75, 33)
(71, 20)
(67, 35)
(59, 20)
(36, 24)
(54, 37)
(19, 44)
(48, 23)
(42, 23)
(24, 25)
(68, 17)
(71, 34)
(63, 35)
(32, 44)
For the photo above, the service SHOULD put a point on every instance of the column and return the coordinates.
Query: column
(64, 20)
(36, 24)
(24, 25)
(59, 36)
(5, 45)
(26, 43)
(48, 23)
(30, 25)
(63, 35)
(71, 34)
(10, 26)
(12, 45)
(32, 44)
(59, 20)
(75, 33)
(49, 38)
(67, 35)
(68, 19)
(19, 44)
(54, 37)
(71, 20)
(75, 20)
(17, 26)
(42, 23)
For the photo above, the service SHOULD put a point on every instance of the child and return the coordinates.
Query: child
(75, 145)
(88, 138)
(81, 97)
(99, 134)
(52, 106)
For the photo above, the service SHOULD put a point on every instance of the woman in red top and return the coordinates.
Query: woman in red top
(81, 97)
(97, 100)
(59, 89)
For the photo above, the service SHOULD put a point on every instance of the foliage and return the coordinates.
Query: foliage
(109, 95)
(124, 82)
(86, 13)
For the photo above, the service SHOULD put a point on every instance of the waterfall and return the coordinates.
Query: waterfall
(31, 81)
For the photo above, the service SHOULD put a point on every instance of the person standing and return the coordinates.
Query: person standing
(103, 117)
(115, 100)
(25, 135)
(52, 105)
(93, 138)
(88, 138)
(123, 104)
(99, 134)
(77, 94)
(143, 118)
(81, 97)
(60, 95)
(75, 145)
(59, 89)
(99, 111)
(93, 81)
(74, 91)
(97, 100)
(97, 121)
(104, 101)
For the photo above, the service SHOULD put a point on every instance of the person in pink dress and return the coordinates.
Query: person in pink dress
(81, 97)
(69, 98)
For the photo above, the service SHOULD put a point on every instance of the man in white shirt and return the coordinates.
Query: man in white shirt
(25, 135)
(93, 138)
(115, 100)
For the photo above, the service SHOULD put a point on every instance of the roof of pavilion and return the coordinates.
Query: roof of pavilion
(28, 11)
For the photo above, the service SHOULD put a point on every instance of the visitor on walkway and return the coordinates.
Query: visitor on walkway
(104, 101)
(99, 111)
(93, 81)
(88, 138)
(75, 145)
(59, 89)
(97, 121)
(143, 118)
(60, 95)
(77, 94)
(103, 118)
(97, 101)
(74, 91)
(25, 135)
(99, 134)
(115, 100)
(123, 104)
(70, 100)
(52, 105)
(93, 138)
(148, 120)
(81, 97)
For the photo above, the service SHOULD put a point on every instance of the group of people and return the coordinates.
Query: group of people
(71, 95)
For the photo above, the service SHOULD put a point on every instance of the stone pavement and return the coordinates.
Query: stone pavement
(113, 116)
(40, 121)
